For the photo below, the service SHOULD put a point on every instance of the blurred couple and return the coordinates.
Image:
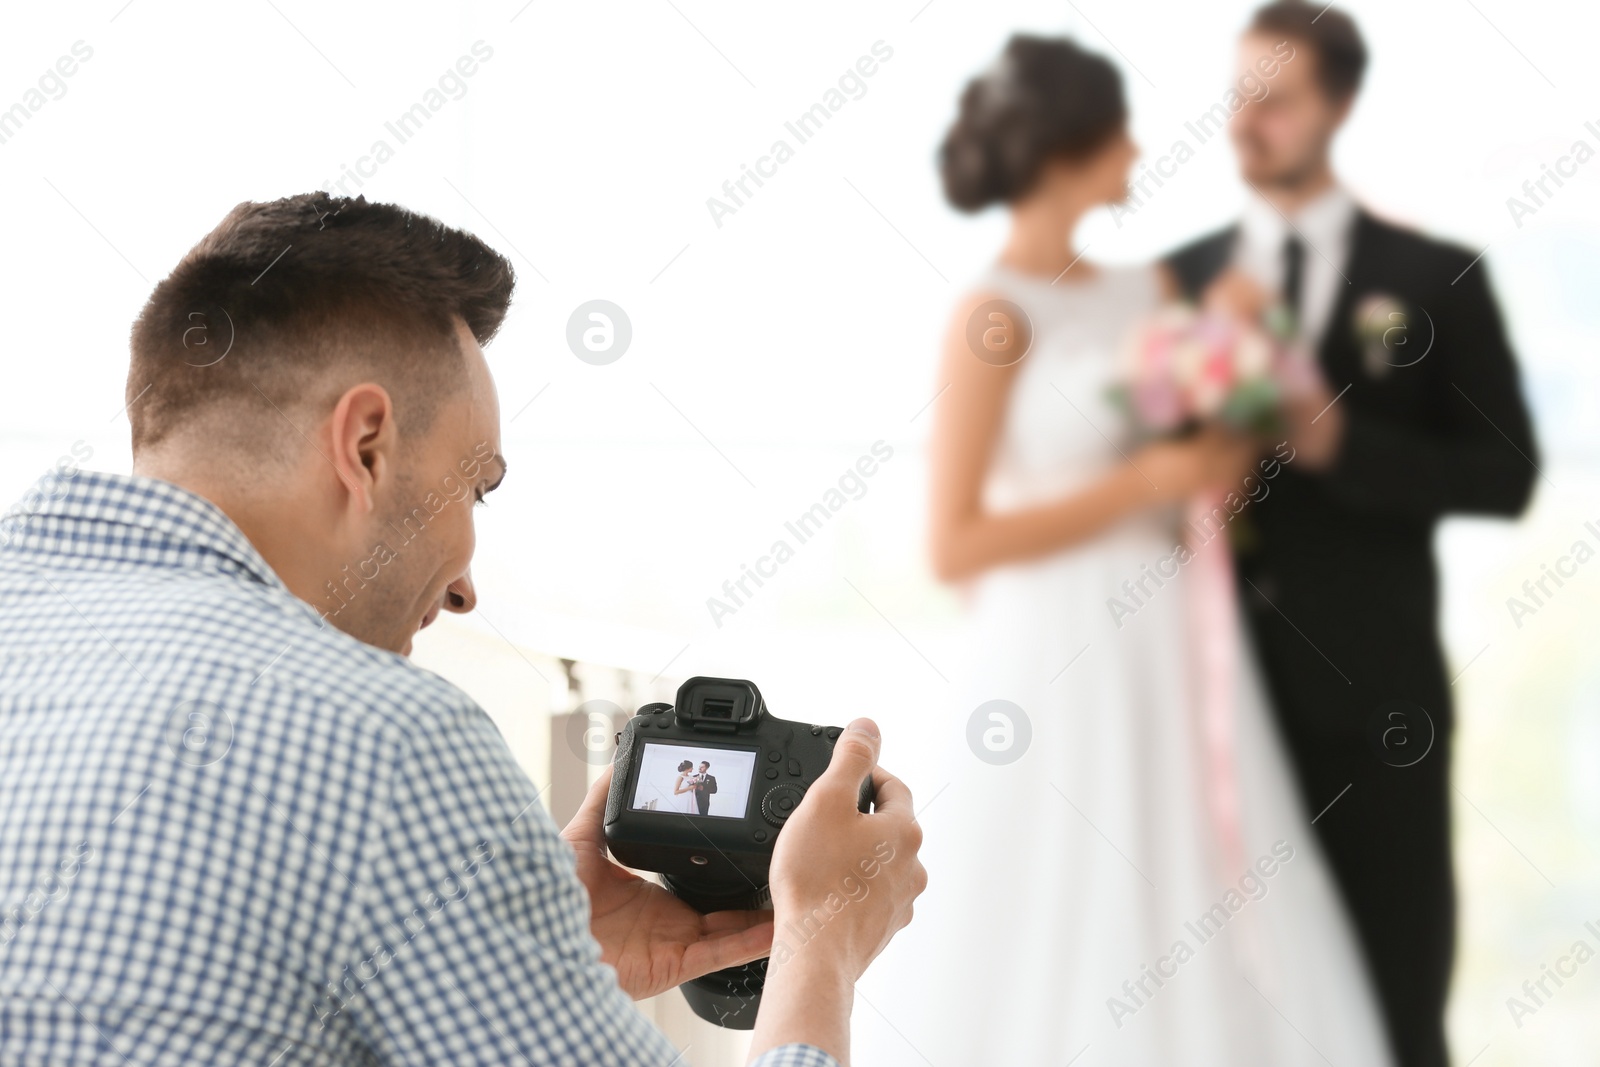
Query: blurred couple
(1150, 881)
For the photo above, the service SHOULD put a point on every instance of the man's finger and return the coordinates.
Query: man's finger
(722, 922)
(716, 951)
(890, 794)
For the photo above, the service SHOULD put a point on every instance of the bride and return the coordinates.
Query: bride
(1093, 898)
(683, 790)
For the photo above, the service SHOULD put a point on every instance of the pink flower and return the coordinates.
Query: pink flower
(1158, 406)
(1182, 366)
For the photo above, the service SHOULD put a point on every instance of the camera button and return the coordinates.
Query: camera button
(780, 802)
(760, 835)
(774, 755)
(833, 733)
(772, 772)
(794, 767)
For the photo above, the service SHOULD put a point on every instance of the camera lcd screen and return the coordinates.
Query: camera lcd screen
(694, 780)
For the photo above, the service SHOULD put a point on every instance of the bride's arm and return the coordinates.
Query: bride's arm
(965, 539)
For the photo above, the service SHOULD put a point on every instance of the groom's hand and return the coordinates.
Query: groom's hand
(654, 940)
(1237, 295)
(1316, 424)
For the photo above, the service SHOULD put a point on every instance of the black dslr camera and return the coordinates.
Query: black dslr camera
(699, 794)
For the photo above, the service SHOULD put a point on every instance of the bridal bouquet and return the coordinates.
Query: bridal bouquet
(1186, 367)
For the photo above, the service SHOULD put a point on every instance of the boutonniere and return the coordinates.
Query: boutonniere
(1390, 333)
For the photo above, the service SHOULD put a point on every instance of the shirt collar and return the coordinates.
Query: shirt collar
(1324, 223)
(101, 518)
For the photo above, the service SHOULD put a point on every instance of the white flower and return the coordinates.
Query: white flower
(1252, 356)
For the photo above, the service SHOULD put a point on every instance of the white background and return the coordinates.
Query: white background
(771, 352)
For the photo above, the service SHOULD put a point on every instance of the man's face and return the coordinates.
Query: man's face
(421, 530)
(704, 767)
(1282, 139)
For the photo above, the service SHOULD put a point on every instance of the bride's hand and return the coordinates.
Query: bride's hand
(1213, 458)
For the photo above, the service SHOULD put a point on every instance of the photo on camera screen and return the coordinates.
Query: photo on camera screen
(694, 780)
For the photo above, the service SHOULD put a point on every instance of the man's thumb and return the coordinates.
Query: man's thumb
(855, 754)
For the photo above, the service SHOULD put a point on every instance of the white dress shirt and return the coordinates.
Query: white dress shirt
(1325, 227)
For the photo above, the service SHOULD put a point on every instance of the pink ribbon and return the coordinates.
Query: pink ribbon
(1214, 625)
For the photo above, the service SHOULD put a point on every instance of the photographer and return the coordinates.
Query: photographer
(300, 848)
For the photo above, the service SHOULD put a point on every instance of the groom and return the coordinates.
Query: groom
(1419, 414)
(702, 793)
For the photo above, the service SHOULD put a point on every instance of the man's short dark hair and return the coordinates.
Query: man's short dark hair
(1331, 34)
(281, 291)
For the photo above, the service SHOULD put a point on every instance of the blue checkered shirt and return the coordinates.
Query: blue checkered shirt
(232, 834)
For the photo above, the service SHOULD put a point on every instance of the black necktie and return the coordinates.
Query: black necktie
(1294, 262)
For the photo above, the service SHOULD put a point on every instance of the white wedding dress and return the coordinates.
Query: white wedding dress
(1087, 862)
(684, 801)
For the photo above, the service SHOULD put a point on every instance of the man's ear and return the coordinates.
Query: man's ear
(365, 441)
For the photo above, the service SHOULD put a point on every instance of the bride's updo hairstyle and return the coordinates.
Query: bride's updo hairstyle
(1045, 98)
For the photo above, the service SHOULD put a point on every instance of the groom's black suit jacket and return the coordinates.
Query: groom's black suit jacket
(1341, 593)
(1346, 555)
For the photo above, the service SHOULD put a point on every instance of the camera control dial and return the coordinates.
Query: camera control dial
(780, 802)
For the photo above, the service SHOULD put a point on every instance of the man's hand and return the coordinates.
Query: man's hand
(1316, 423)
(1236, 295)
(1316, 430)
(830, 851)
(842, 885)
(654, 940)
